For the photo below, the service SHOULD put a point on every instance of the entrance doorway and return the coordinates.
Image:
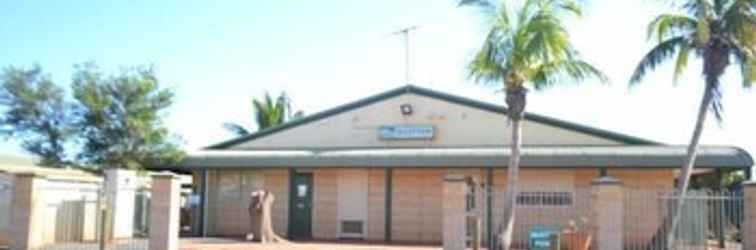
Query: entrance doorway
(300, 225)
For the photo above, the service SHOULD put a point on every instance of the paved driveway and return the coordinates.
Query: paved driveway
(230, 244)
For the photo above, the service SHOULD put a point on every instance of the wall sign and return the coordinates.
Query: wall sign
(406, 132)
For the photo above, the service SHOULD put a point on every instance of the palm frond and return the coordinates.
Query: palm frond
(656, 56)
(548, 38)
(717, 105)
(748, 72)
(486, 66)
(699, 8)
(571, 7)
(564, 71)
(747, 63)
(682, 61)
(236, 128)
(740, 20)
(534, 47)
(487, 8)
(667, 25)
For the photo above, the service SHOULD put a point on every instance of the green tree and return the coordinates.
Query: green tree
(527, 47)
(721, 33)
(267, 113)
(35, 111)
(120, 118)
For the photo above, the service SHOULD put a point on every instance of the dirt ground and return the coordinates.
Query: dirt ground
(231, 244)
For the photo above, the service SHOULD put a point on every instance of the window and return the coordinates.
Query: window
(544, 198)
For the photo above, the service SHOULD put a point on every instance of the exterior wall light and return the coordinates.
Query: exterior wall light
(406, 109)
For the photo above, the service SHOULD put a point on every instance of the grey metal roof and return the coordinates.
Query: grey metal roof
(653, 156)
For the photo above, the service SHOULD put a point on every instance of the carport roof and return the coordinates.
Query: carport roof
(651, 156)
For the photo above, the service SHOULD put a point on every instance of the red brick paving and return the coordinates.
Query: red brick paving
(231, 244)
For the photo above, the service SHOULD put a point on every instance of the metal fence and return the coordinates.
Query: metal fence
(550, 218)
(560, 218)
(708, 220)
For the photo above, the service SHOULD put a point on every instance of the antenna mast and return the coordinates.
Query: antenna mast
(405, 33)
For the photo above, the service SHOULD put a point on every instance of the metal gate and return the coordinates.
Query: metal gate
(78, 216)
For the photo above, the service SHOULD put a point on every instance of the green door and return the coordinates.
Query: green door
(300, 208)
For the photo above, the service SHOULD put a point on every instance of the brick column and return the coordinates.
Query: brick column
(607, 204)
(24, 230)
(121, 185)
(749, 223)
(164, 212)
(454, 222)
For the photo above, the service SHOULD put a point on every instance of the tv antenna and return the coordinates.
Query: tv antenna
(405, 33)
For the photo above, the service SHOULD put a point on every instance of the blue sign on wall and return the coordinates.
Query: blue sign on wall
(541, 238)
(406, 132)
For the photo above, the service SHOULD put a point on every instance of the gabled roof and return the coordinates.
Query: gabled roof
(622, 138)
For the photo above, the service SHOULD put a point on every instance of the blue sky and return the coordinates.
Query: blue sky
(219, 55)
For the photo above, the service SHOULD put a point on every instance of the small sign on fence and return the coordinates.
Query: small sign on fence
(543, 238)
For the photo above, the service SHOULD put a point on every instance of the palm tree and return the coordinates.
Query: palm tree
(268, 113)
(719, 32)
(528, 47)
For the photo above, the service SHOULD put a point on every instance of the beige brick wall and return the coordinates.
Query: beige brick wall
(376, 204)
(325, 207)
(225, 211)
(642, 205)
(417, 199)
(416, 206)
(229, 196)
(277, 181)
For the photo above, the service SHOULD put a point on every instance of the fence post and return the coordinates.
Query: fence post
(24, 230)
(164, 212)
(607, 205)
(749, 210)
(454, 221)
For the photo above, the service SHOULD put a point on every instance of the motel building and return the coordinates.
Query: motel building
(374, 169)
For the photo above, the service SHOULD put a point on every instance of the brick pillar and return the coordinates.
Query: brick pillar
(121, 185)
(454, 221)
(164, 212)
(607, 204)
(749, 206)
(25, 232)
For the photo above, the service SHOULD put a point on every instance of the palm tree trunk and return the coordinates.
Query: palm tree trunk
(510, 197)
(666, 231)
(516, 100)
(690, 160)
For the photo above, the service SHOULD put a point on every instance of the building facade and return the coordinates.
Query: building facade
(373, 169)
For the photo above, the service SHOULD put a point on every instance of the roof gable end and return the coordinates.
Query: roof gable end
(605, 134)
